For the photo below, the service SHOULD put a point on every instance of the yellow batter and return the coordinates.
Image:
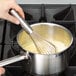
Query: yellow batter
(56, 35)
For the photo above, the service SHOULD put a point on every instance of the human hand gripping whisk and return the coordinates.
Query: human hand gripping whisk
(43, 46)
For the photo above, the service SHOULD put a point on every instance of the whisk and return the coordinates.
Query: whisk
(43, 46)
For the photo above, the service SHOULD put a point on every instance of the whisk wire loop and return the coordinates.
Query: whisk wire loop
(43, 46)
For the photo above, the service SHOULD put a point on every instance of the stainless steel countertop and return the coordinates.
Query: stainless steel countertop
(46, 1)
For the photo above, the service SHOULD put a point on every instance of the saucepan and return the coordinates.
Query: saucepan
(43, 64)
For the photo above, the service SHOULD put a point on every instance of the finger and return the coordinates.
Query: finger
(12, 19)
(2, 70)
(19, 10)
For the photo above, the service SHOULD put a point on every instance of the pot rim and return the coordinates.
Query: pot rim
(50, 24)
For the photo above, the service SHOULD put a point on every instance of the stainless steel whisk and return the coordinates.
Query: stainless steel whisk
(42, 45)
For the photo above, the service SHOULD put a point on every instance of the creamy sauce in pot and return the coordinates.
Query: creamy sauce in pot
(56, 35)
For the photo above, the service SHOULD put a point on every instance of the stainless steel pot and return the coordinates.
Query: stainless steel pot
(44, 64)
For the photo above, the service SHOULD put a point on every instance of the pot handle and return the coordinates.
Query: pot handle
(13, 59)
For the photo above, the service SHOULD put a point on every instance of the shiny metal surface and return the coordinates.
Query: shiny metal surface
(12, 60)
(45, 64)
(49, 64)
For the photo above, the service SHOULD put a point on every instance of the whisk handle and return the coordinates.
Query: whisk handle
(23, 23)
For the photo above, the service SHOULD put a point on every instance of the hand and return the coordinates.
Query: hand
(2, 71)
(5, 6)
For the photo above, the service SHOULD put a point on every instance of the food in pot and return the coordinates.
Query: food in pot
(58, 36)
